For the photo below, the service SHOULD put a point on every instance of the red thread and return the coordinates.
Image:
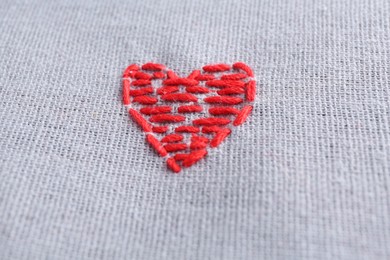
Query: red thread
(235, 76)
(242, 116)
(146, 100)
(197, 89)
(242, 66)
(160, 129)
(166, 118)
(205, 77)
(181, 81)
(198, 138)
(219, 137)
(216, 67)
(141, 91)
(194, 157)
(187, 129)
(153, 66)
(129, 69)
(140, 120)
(189, 109)
(158, 75)
(198, 142)
(223, 111)
(142, 75)
(194, 74)
(179, 97)
(126, 92)
(173, 165)
(167, 89)
(155, 110)
(141, 82)
(172, 75)
(137, 88)
(180, 156)
(175, 147)
(198, 145)
(156, 145)
(225, 83)
(172, 138)
(251, 90)
(211, 121)
(211, 129)
(223, 100)
(231, 91)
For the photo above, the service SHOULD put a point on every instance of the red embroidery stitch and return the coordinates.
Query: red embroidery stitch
(155, 110)
(172, 138)
(164, 118)
(188, 129)
(211, 129)
(183, 116)
(159, 129)
(205, 77)
(189, 109)
(193, 157)
(175, 147)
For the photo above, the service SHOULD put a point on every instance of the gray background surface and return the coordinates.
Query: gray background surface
(307, 177)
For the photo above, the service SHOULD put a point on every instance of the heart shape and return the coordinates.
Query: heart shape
(182, 117)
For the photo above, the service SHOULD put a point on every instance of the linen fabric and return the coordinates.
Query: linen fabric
(306, 177)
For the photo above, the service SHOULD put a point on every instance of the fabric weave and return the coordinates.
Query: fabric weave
(306, 178)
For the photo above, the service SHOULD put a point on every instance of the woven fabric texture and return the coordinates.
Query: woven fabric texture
(306, 177)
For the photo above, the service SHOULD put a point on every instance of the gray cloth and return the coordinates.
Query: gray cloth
(307, 177)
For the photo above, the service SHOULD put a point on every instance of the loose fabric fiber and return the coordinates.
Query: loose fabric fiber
(306, 177)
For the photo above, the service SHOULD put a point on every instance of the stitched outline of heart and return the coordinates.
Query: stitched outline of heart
(235, 89)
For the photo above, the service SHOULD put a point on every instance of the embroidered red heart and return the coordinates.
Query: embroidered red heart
(182, 117)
